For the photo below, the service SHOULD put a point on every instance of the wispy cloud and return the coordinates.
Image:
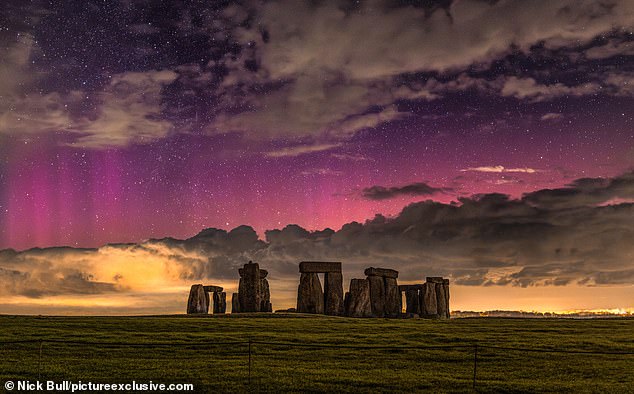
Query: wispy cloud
(321, 171)
(551, 116)
(501, 169)
(350, 156)
(298, 150)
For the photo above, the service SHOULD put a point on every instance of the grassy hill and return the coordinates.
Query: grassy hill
(356, 354)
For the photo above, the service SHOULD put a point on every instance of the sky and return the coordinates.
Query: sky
(146, 146)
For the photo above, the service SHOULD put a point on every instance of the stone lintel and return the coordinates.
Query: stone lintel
(212, 289)
(435, 279)
(263, 273)
(384, 272)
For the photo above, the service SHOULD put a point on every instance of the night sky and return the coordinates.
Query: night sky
(508, 125)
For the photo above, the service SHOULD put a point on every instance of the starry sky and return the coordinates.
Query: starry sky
(133, 125)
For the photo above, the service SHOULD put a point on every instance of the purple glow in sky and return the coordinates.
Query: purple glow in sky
(126, 121)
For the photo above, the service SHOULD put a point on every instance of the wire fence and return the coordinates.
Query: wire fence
(263, 350)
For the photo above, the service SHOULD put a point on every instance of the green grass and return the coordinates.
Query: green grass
(216, 367)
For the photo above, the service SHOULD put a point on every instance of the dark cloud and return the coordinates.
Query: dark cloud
(414, 189)
(549, 237)
(584, 191)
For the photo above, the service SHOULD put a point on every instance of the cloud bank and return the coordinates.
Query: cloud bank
(576, 235)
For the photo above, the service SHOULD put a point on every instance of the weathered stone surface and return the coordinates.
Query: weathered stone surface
(393, 299)
(384, 272)
(357, 302)
(263, 273)
(212, 289)
(333, 293)
(310, 297)
(412, 301)
(265, 296)
(220, 302)
(319, 267)
(428, 304)
(434, 279)
(249, 291)
(441, 301)
(377, 295)
(198, 301)
(241, 293)
(235, 303)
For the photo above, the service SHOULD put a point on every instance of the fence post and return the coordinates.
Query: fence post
(475, 365)
(249, 362)
(39, 362)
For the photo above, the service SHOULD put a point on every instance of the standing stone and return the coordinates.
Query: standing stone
(428, 305)
(377, 295)
(265, 297)
(198, 301)
(220, 302)
(441, 301)
(358, 299)
(333, 293)
(235, 303)
(412, 301)
(310, 297)
(393, 299)
(242, 294)
(249, 291)
(445, 285)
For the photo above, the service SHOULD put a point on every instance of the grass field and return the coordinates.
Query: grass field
(200, 356)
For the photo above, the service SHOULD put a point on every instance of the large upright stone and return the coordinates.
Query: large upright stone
(333, 293)
(265, 297)
(242, 294)
(357, 302)
(445, 285)
(428, 300)
(377, 295)
(198, 301)
(393, 299)
(310, 297)
(235, 303)
(441, 301)
(412, 301)
(220, 302)
(250, 288)
(316, 267)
